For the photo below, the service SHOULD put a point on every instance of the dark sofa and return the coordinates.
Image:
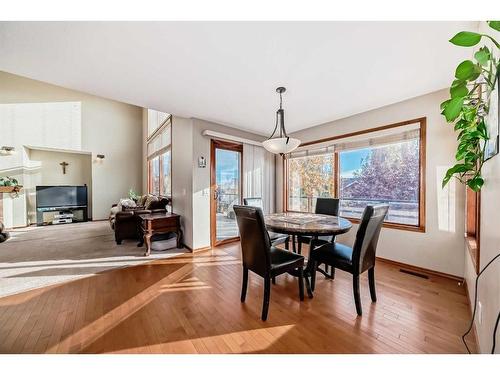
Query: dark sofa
(127, 223)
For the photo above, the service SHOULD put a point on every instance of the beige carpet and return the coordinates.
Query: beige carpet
(39, 256)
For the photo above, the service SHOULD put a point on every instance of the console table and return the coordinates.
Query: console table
(160, 223)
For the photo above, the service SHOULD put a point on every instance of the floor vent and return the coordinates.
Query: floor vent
(413, 273)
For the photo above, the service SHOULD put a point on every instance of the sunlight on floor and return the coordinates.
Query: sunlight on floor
(233, 340)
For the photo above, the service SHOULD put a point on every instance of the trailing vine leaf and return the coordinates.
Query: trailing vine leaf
(466, 39)
(483, 56)
(459, 91)
(494, 25)
(475, 183)
(452, 108)
(465, 70)
(467, 107)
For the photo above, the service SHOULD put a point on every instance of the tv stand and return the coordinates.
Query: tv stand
(61, 215)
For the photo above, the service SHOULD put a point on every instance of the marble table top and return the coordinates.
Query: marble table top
(306, 223)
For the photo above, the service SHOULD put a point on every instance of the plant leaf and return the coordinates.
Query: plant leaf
(475, 183)
(466, 39)
(444, 104)
(494, 25)
(457, 82)
(457, 168)
(459, 91)
(482, 56)
(465, 70)
(453, 108)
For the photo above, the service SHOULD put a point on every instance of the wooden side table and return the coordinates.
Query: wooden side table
(160, 223)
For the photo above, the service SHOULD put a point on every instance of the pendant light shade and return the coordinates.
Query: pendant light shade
(282, 143)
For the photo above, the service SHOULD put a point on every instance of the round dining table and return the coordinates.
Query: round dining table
(307, 224)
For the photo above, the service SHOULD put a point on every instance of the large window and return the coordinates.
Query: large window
(310, 177)
(160, 160)
(382, 165)
(155, 120)
(384, 174)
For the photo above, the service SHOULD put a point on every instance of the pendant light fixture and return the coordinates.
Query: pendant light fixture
(282, 143)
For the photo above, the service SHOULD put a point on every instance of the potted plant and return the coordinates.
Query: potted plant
(469, 105)
(133, 195)
(9, 185)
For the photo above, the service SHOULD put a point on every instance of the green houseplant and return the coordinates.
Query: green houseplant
(133, 195)
(10, 185)
(469, 105)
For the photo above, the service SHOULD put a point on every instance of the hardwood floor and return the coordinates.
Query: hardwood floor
(191, 304)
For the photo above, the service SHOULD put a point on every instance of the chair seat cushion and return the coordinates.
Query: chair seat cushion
(277, 238)
(282, 260)
(334, 254)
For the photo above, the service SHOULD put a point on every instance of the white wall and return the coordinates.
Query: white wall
(107, 127)
(489, 283)
(182, 177)
(440, 248)
(191, 184)
(201, 177)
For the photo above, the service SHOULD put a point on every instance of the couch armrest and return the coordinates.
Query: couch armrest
(141, 212)
(123, 215)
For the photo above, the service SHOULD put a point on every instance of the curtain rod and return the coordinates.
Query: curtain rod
(212, 134)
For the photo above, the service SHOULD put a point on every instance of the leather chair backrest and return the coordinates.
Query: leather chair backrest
(255, 242)
(327, 206)
(254, 202)
(365, 245)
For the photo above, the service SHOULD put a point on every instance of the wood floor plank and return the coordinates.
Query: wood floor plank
(191, 304)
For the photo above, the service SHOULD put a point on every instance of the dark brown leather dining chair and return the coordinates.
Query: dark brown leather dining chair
(324, 206)
(260, 257)
(276, 238)
(359, 258)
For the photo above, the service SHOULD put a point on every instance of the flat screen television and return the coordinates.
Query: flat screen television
(61, 196)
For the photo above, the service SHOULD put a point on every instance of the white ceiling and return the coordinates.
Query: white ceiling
(228, 71)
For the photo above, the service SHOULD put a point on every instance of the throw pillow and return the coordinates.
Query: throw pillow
(150, 198)
(142, 200)
(125, 202)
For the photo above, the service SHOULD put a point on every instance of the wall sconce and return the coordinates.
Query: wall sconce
(202, 162)
(7, 150)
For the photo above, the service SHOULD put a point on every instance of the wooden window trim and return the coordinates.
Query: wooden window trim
(472, 238)
(422, 121)
(159, 154)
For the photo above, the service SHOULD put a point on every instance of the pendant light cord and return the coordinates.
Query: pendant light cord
(276, 125)
(474, 312)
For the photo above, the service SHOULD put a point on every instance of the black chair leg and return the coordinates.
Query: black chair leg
(332, 273)
(287, 244)
(244, 284)
(267, 295)
(301, 283)
(357, 298)
(274, 279)
(371, 281)
(294, 248)
(299, 243)
(313, 275)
